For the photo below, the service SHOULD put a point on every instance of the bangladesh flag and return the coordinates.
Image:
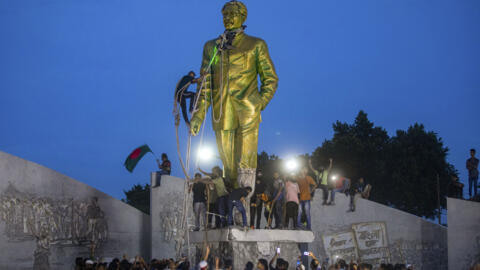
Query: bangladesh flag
(135, 156)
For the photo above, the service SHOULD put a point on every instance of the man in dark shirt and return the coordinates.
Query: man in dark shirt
(199, 200)
(164, 168)
(472, 167)
(256, 202)
(357, 187)
(181, 94)
(236, 199)
(455, 188)
(277, 200)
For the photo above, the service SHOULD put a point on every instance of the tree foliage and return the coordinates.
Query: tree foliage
(402, 169)
(268, 164)
(139, 197)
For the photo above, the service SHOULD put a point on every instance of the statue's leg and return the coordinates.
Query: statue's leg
(226, 148)
(226, 144)
(246, 142)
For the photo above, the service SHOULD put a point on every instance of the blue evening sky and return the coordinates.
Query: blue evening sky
(84, 82)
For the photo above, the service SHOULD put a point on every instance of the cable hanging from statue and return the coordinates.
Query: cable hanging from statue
(224, 43)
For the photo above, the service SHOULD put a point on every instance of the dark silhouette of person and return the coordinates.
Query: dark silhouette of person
(181, 94)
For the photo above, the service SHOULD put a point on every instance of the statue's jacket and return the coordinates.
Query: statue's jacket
(232, 82)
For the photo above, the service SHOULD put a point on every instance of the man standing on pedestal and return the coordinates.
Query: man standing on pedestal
(231, 66)
(472, 167)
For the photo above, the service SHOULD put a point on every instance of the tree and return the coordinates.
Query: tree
(139, 197)
(416, 157)
(402, 169)
(358, 150)
(268, 164)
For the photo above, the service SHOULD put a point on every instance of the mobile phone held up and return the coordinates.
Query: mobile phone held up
(278, 250)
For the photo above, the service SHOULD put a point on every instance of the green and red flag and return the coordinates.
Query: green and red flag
(135, 157)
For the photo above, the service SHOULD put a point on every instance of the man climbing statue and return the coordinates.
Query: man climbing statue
(231, 65)
(181, 94)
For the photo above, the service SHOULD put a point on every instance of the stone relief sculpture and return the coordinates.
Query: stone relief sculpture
(51, 221)
(170, 224)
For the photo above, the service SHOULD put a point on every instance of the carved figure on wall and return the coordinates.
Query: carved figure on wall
(52, 222)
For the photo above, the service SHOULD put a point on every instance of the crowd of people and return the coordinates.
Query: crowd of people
(284, 201)
(217, 263)
(137, 263)
(276, 263)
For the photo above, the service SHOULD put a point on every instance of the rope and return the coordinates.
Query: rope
(186, 168)
(221, 92)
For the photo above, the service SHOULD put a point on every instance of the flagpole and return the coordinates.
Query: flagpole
(153, 154)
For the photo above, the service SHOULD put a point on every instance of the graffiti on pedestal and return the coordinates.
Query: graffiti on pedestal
(365, 241)
(341, 245)
(372, 242)
(50, 221)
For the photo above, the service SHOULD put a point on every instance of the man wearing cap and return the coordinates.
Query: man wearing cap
(88, 264)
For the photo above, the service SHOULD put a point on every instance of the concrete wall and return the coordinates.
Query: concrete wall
(402, 237)
(48, 219)
(375, 233)
(166, 206)
(463, 233)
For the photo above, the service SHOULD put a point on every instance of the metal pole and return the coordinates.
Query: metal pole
(438, 200)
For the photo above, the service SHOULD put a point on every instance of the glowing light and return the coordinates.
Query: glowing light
(205, 153)
(334, 177)
(291, 165)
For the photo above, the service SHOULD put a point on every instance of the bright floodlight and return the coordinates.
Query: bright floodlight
(292, 165)
(334, 177)
(205, 153)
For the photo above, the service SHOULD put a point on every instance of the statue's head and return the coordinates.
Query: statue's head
(234, 14)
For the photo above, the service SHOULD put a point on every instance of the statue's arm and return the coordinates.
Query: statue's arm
(205, 88)
(268, 76)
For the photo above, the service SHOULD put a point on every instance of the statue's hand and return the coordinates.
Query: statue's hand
(195, 125)
(264, 104)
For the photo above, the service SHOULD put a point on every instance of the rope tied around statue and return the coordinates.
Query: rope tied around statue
(223, 43)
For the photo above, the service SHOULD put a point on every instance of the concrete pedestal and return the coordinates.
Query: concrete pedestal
(243, 246)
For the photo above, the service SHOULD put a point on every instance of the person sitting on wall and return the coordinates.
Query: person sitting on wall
(356, 188)
(165, 168)
(338, 184)
(455, 188)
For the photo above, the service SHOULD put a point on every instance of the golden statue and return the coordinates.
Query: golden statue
(231, 65)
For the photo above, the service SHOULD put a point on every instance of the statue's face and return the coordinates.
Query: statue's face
(232, 18)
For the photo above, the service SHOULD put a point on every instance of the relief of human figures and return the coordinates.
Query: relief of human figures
(51, 221)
